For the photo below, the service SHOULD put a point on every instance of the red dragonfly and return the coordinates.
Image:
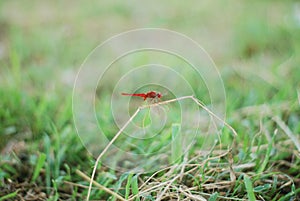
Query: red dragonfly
(150, 94)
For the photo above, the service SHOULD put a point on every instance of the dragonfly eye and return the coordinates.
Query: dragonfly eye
(158, 95)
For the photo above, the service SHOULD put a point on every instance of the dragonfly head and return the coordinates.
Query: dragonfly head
(159, 95)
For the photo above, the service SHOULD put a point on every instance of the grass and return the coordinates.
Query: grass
(256, 48)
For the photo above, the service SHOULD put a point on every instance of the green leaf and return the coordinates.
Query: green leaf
(249, 188)
(213, 196)
(119, 183)
(290, 194)
(127, 188)
(267, 156)
(47, 144)
(262, 188)
(38, 167)
(147, 118)
(11, 195)
(135, 186)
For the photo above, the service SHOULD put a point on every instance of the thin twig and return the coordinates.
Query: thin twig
(155, 173)
(166, 188)
(214, 115)
(209, 195)
(75, 184)
(185, 159)
(232, 173)
(100, 186)
(166, 102)
(160, 185)
(191, 196)
(106, 148)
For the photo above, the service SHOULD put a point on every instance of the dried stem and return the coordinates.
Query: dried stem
(214, 115)
(105, 149)
(100, 186)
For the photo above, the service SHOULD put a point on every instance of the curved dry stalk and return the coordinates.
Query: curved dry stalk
(100, 186)
(214, 115)
(167, 187)
(198, 102)
(191, 196)
(105, 149)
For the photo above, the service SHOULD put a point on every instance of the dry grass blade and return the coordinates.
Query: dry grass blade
(232, 173)
(191, 196)
(287, 131)
(100, 186)
(218, 185)
(244, 166)
(166, 188)
(214, 115)
(106, 148)
(152, 176)
(185, 159)
(149, 190)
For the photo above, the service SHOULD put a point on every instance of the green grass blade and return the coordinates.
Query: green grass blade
(249, 188)
(294, 192)
(135, 187)
(16, 66)
(213, 196)
(262, 188)
(47, 144)
(128, 184)
(38, 167)
(263, 166)
(8, 196)
(119, 183)
(147, 118)
(55, 187)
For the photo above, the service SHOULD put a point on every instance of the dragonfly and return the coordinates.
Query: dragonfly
(151, 95)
